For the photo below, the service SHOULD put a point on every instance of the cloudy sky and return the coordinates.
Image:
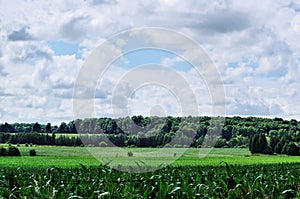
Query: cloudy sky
(254, 45)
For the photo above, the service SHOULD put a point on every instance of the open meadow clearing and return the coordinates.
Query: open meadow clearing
(62, 156)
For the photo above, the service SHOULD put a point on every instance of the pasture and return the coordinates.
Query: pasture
(67, 157)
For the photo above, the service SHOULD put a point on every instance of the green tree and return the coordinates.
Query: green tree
(3, 151)
(279, 146)
(273, 142)
(259, 144)
(262, 143)
(6, 128)
(13, 151)
(36, 127)
(63, 128)
(32, 152)
(48, 128)
(284, 148)
(292, 149)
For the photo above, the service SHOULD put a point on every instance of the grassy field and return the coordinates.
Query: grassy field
(73, 172)
(64, 157)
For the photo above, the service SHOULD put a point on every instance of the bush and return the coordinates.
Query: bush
(102, 144)
(26, 144)
(3, 151)
(129, 154)
(13, 151)
(32, 152)
(177, 146)
(221, 142)
(292, 149)
(168, 146)
(268, 151)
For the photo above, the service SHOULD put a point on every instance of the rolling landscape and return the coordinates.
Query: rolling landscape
(97, 163)
(149, 99)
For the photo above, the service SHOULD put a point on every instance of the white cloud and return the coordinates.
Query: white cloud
(255, 46)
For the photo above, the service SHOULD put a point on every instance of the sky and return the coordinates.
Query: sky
(253, 46)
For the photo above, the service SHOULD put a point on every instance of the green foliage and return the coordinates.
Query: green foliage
(32, 152)
(254, 145)
(224, 181)
(292, 149)
(129, 154)
(103, 144)
(13, 151)
(157, 132)
(36, 127)
(221, 142)
(279, 146)
(3, 151)
(258, 144)
(284, 148)
(48, 128)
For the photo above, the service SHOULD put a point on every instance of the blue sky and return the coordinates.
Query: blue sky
(255, 47)
(61, 48)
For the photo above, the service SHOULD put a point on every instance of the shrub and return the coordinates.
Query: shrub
(26, 144)
(167, 146)
(3, 151)
(129, 154)
(32, 152)
(268, 151)
(292, 149)
(13, 151)
(177, 146)
(102, 144)
(221, 142)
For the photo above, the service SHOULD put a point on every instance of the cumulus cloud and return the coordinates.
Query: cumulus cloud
(254, 46)
(75, 28)
(20, 35)
(223, 21)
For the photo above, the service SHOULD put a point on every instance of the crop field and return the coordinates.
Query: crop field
(95, 172)
(224, 181)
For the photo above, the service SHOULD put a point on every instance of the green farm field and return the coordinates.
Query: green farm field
(73, 172)
(67, 157)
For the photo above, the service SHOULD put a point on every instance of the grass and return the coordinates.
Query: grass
(66, 157)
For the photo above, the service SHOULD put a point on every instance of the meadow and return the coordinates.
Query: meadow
(66, 157)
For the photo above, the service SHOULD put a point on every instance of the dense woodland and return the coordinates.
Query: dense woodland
(261, 135)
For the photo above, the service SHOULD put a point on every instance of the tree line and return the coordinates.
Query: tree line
(139, 131)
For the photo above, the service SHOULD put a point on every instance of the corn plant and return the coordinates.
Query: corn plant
(223, 181)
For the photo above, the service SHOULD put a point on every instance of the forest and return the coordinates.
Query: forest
(261, 135)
